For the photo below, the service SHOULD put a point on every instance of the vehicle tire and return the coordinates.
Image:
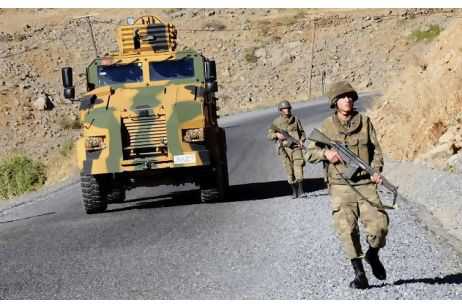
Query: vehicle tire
(116, 195)
(93, 199)
(209, 195)
(222, 181)
(215, 186)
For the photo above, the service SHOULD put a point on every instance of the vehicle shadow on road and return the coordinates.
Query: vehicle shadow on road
(237, 193)
(266, 190)
(173, 199)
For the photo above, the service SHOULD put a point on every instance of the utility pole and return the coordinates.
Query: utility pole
(87, 18)
(312, 55)
(323, 76)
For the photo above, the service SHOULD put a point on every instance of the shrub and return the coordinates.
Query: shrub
(250, 56)
(170, 11)
(426, 35)
(66, 148)
(67, 123)
(214, 25)
(20, 174)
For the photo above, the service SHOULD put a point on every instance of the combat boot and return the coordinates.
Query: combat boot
(360, 281)
(294, 191)
(301, 193)
(372, 257)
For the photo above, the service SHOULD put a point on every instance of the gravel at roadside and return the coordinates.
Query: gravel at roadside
(440, 192)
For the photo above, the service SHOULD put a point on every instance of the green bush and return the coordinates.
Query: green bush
(19, 174)
(426, 35)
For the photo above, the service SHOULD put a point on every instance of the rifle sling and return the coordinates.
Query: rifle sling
(380, 206)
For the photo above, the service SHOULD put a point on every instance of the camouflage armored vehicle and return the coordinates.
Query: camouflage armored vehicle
(149, 117)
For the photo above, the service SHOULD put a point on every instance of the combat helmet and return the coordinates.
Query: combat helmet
(284, 104)
(338, 89)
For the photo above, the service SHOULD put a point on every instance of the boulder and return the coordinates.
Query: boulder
(260, 53)
(455, 162)
(43, 102)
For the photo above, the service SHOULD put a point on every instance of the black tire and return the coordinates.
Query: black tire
(209, 195)
(215, 187)
(93, 198)
(222, 181)
(116, 195)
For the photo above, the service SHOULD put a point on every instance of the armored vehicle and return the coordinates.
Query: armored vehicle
(149, 117)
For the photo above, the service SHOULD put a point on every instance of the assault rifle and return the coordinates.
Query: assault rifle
(353, 162)
(291, 141)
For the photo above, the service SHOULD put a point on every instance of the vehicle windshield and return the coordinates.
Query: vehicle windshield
(123, 73)
(176, 69)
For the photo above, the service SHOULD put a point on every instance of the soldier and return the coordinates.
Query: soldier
(357, 197)
(291, 154)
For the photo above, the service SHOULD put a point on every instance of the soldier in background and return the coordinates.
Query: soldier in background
(356, 198)
(290, 154)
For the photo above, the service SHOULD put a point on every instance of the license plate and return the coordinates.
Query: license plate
(184, 159)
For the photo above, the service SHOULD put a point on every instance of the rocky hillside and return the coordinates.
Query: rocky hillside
(263, 56)
(420, 115)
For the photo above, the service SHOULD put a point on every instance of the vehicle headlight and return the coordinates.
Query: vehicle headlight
(93, 143)
(193, 135)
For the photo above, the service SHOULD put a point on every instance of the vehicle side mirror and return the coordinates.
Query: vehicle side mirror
(210, 70)
(69, 90)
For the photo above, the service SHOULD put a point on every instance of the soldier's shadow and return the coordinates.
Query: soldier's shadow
(448, 279)
(237, 193)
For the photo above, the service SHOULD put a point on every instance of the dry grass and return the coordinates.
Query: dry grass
(250, 55)
(62, 164)
(67, 123)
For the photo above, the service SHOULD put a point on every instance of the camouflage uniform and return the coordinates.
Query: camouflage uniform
(292, 158)
(348, 205)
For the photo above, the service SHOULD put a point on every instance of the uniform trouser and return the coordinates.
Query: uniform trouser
(293, 163)
(348, 207)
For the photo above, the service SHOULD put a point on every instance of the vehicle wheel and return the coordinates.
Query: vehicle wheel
(93, 199)
(215, 186)
(222, 181)
(116, 195)
(209, 195)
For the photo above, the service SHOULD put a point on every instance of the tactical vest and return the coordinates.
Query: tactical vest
(356, 138)
(290, 125)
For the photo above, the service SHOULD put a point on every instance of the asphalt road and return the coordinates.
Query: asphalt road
(260, 244)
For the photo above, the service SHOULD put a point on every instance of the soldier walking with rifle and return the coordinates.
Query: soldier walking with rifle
(346, 135)
(288, 132)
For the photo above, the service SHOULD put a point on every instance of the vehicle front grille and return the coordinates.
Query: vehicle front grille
(144, 136)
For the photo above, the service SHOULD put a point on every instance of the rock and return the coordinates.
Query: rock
(441, 151)
(260, 53)
(455, 162)
(279, 57)
(365, 84)
(43, 102)
(452, 137)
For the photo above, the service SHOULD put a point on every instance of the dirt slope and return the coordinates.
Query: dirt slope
(420, 115)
